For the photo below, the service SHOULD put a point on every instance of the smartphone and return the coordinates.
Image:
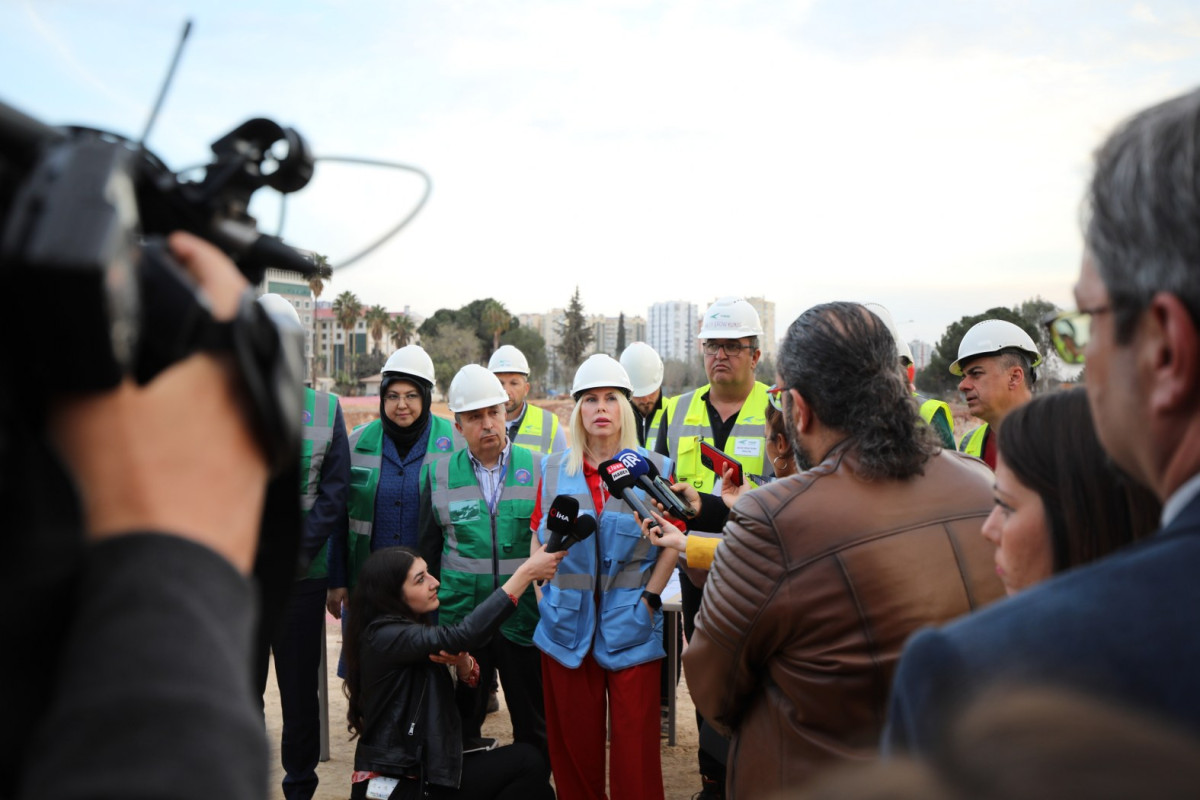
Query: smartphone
(718, 462)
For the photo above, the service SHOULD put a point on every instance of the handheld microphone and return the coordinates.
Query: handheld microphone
(560, 521)
(620, 483)
(649, 478)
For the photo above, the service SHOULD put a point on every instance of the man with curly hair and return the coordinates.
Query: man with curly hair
(824, 574)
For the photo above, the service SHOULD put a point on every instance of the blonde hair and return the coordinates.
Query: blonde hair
(579, 446)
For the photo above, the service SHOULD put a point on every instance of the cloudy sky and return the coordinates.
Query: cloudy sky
(928, 155)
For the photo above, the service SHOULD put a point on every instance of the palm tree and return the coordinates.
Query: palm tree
(496, 321)
(378, 320)
(402, 330)
(316, 283)
(347, 309)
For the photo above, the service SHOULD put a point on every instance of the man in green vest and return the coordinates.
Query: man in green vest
(296, 643)
(474, 533)
(530, 427)
(730, 413)
(996, 361)
(645, 369)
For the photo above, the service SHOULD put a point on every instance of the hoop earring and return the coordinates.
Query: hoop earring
(775, 461)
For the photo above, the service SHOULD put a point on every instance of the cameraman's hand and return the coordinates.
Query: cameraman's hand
(177, 455)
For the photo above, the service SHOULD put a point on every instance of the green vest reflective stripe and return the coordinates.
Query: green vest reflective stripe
(366, 458)
(480, 551)
(316, 435)
(534, 434)
(972, 443)
(929, 409)
(747, 441)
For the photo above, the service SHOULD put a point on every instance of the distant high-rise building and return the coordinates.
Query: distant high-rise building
(671, 329)
(922, 353)
(293, 287)
(766, 315)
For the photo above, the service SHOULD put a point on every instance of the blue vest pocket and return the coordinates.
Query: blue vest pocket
(624, 619)
(560, 617)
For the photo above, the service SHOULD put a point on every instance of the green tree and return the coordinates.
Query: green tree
(495, 320)
(575, 335)
(401, 329)
(620, 335)
(1033, 311)
(368, 364)
(765, 370)
(346, 310)
(378, 320)
(453, 347)
(531, 343)
(936, 378)
(316, 281)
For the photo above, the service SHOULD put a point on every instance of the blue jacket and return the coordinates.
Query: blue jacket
(619, 632)
(1125, 627)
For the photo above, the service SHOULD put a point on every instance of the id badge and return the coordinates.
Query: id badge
(381, 788)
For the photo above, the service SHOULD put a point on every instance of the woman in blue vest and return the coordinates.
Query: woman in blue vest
(601, 623)
(386, 457)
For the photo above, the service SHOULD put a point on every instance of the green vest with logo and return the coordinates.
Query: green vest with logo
(366, 459)
(537, 431)
(316, 435)
(942, 423)
(482, 550)
(747, 440)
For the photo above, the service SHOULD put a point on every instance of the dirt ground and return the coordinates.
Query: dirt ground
(680, 777)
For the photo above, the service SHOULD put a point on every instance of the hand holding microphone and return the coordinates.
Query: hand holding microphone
(651, 481)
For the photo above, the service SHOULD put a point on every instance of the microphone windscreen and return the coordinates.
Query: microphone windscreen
(616, 477)
(636, 465)
(585, 526)
(563, 511)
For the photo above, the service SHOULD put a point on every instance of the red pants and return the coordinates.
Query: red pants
(578, 705)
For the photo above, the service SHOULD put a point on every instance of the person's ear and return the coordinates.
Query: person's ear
(802, 413)
(1170, 346)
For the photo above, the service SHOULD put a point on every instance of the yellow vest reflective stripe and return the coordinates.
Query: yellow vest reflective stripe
(652, 432)
(929, 409)
(747, 440)
(972, 444)
(534, 434)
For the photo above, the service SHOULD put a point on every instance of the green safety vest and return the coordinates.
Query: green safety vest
(747, 441)
(481, 550)
(316, 435)
(929, 410)
(972, 443)
(534, 434)
(366, 459)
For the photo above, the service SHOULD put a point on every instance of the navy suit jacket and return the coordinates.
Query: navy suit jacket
(1126, 627)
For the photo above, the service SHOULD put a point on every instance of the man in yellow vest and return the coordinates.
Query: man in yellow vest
(645, 370)
(730, 414)
(996, 361)
(474, 534)
(530, 427)
(296, 643)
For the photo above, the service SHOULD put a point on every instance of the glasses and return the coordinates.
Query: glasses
(775, 397)
(732, 349)
(1070, 332)
(411, 398)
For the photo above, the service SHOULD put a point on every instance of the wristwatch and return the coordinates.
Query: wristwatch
(653, 599)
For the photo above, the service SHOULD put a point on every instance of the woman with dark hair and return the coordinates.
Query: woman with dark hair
(400, 686)
(386, 457)
(1059, 500)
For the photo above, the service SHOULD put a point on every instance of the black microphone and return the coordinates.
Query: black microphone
(560, 521)
(620, 483)
(649, 478)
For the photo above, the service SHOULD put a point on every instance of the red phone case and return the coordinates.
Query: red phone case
(718, 462)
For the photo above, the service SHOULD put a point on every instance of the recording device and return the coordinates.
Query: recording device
(565, 525)
(718, 462)
(651, 481)
(620, 482)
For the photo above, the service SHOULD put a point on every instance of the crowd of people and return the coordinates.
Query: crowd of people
(843, 580)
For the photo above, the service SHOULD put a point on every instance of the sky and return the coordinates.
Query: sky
(928, 156)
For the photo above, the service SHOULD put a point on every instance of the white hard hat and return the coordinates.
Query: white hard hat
(992, 336)
(475, 387)
(279, 309)
(902, 348)
(508, 359)
(730, 318)
(411, 360)
(644, 367)
(600, 371)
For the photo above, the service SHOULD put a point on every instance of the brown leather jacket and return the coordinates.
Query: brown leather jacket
(821, 578)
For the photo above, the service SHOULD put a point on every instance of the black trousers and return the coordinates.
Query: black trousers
(297, 647)
(515, 772)
(690, 596)
(520, 668)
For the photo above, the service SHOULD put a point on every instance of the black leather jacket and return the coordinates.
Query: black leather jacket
(408, 701)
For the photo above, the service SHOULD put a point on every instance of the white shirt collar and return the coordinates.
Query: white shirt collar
(1180, 499)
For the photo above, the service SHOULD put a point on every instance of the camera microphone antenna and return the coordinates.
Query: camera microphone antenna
(170, 76)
